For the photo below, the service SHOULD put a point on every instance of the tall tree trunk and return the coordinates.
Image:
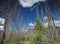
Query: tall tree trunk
(19, 23)
(37, 12)
(6, 20)
(13, 18)
(51, 24)
(42, 14)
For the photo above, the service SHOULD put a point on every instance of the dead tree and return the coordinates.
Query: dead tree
(6, 20)
(12, 17)
(42, 14)
(19, 19)
(37, 12)
(51, 25)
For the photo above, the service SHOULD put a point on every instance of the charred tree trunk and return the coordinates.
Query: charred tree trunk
(51, 25)
(6, 20)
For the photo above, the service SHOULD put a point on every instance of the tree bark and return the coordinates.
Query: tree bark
(51, 24)
(6, 20)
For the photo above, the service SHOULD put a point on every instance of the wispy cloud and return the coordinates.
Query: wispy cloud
(28, 3)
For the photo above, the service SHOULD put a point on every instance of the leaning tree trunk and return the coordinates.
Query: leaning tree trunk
(6, 20)
(51, 25)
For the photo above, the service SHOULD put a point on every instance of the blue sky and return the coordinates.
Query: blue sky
(29, 16)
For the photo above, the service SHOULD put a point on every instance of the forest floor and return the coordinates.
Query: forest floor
(25, 42)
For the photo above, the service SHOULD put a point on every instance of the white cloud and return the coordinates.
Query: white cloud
(2, 20)
(31, 24)
(1, 27)
(28, 3)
